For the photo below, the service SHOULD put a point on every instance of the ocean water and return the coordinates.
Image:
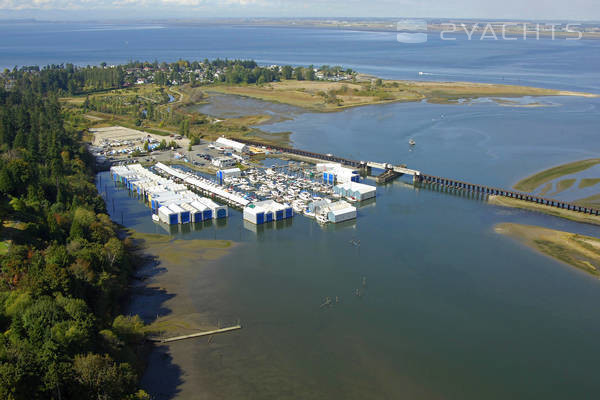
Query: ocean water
(546, 63)
(449, 308)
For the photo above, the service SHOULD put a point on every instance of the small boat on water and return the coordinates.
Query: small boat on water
(322, 219)
(155, 218)
(412, 142)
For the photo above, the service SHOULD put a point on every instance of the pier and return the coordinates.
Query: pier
(390, 172)
(195, 335)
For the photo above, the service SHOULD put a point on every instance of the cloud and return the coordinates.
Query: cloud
(528, 9)
(107, 4)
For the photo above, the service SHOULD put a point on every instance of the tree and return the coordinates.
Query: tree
(100, 377)
(287, 72)
(298, 73)
(310, 73)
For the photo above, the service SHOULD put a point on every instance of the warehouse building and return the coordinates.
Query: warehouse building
(266, 211)
(167, 216)
(335, 212)
(195, 214)
(228, 173)
(224, 162)
(336, 173)
(203, 208)
(356, 191)
(173, 203)
(231, 144)
(341, 211)
(218, 211)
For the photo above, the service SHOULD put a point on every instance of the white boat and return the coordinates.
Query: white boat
(155, 218)
(412, 142)
(322, 219)
(305, 196)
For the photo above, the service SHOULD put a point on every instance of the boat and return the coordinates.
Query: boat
(412, 142)
(155, 218)
(305, 196)
(322, 219)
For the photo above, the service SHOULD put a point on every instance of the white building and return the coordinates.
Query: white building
(224, 162)
(183, 215)
(334, 211)
(167, 216)
(336, 173)
(232, 144)
(355, 190)
(229, 173)
(218, 211)
(341, 211)
(195, 214)
(266, 211)
(203, 208)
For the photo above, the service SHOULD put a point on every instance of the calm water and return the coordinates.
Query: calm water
(559, 63)
(450, 309)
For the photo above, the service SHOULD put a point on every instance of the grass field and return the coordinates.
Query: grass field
(582, 252)
(536, 180)
(333, 96)
(588, 182)
(4, 246)
(563, 185)
(546, 189)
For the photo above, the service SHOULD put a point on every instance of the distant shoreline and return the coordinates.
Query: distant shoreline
(328, 96)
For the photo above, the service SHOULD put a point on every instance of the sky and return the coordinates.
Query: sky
(161, 9)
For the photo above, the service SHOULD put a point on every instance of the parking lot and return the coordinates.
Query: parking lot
(118, 144)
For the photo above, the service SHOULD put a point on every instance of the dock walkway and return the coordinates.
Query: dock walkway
(195, 335)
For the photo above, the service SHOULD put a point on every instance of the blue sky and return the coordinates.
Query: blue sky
(97, 9)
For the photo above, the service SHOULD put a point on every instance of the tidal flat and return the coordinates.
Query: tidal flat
(162, 298)
(579, 251)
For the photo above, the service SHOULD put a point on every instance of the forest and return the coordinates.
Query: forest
(64, 265)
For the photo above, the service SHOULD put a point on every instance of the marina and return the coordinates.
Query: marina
(265, 194)
(172, 203)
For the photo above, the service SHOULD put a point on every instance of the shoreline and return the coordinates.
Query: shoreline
(577, 251)
(553, 211)
(312, 95)
(161, 296)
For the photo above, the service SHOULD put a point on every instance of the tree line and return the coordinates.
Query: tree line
(69, 79)
(63, 267)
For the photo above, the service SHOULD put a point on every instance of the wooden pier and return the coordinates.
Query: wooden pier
(195, 335)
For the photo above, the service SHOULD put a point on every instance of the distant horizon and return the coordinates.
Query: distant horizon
(66, 10)
(267, 18)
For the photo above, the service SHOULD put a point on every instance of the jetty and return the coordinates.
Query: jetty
(195, 335)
